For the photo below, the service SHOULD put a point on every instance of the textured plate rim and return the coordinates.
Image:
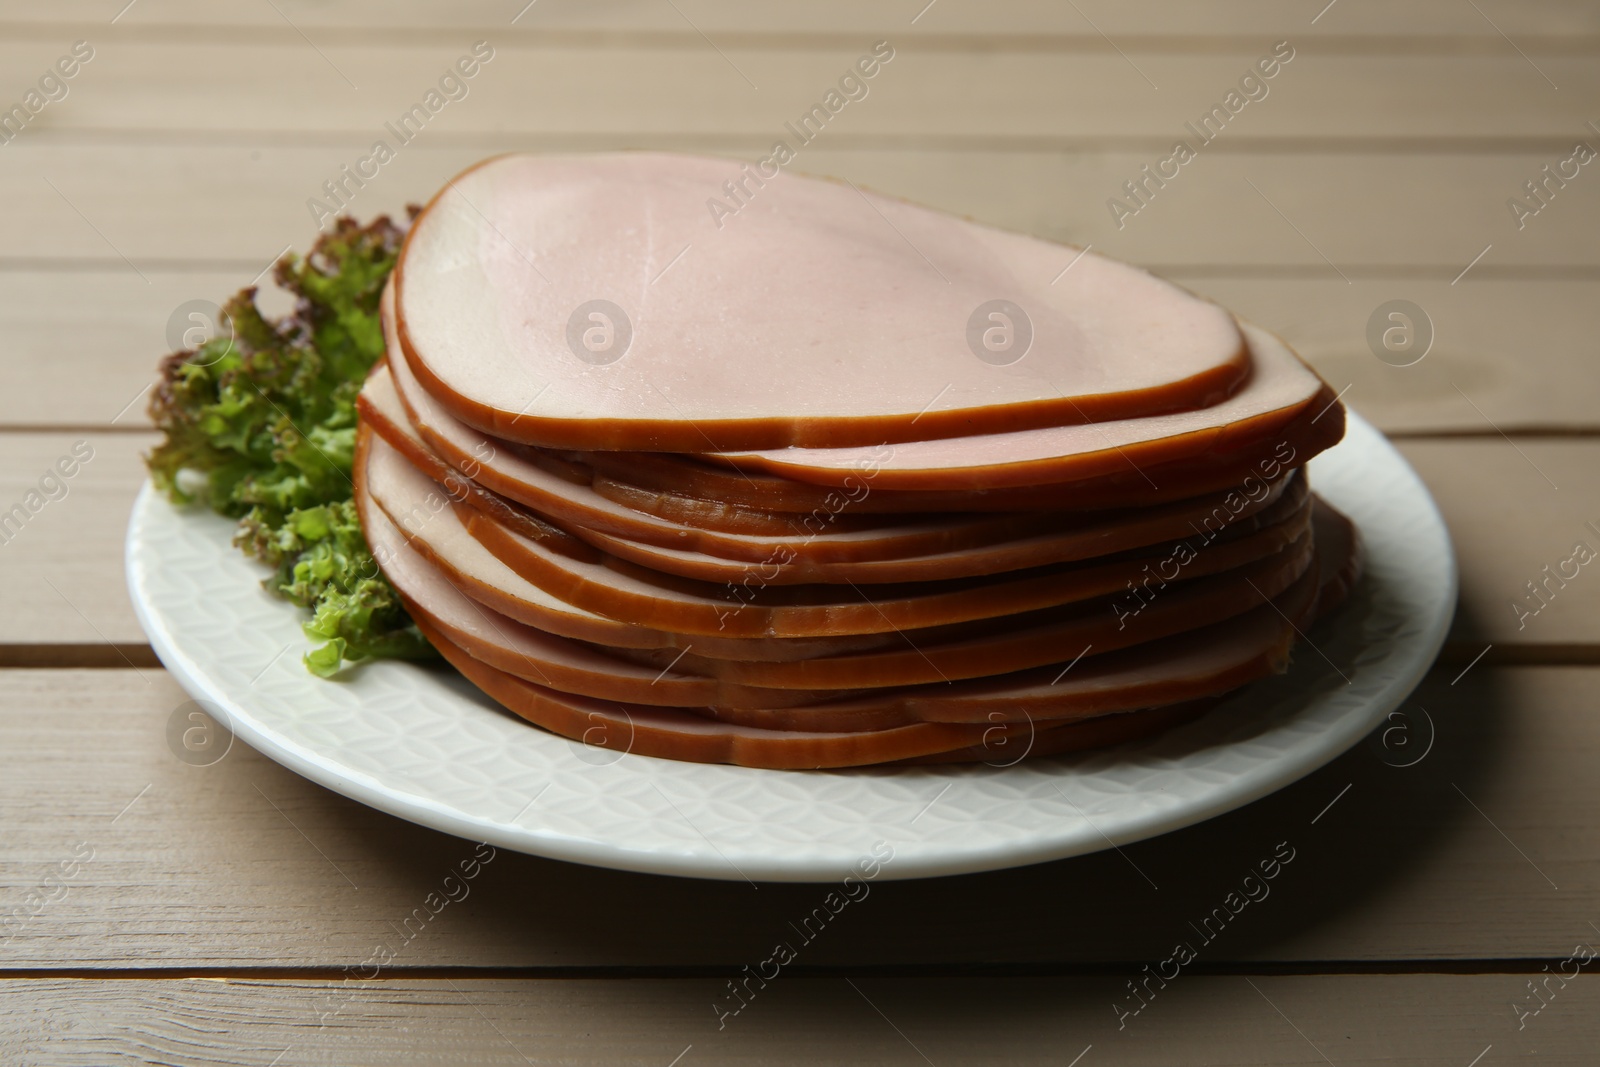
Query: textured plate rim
(1390, 676)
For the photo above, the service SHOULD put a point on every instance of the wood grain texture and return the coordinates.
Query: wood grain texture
(61, 576)
(1514, 508)
(1334, 216)
(1507, 355)
(584, 89)
(1243, 1021)
(74, 362)
(1484, 849)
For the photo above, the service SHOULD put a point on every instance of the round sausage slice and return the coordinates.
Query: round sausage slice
(594, 302)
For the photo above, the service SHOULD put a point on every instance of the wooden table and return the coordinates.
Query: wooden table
(168, 913)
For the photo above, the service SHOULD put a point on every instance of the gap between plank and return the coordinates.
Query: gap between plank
(77, 656)
(1107, 968)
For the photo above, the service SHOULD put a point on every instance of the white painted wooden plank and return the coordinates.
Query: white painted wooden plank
(581, 89)
(243, 864)
(1247, 1021)
(1531, 24)
(1363, 214)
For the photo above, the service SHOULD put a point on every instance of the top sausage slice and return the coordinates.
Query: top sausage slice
(593, 302)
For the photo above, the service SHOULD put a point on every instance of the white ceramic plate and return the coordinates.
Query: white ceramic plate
(426, 746)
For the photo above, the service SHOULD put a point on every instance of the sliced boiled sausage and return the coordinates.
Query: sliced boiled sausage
(592, 302)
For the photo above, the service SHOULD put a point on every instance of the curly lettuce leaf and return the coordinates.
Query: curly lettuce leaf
(259, 425)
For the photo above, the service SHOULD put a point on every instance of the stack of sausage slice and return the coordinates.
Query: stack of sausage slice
(834, 481)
